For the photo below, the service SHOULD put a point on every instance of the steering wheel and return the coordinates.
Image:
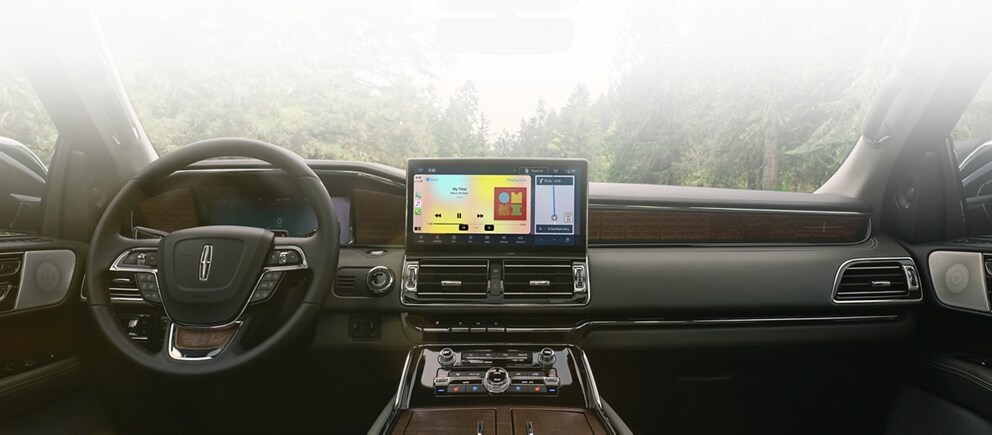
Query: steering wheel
(209, 279)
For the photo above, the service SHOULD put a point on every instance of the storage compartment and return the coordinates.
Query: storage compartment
(447, 421)
(546, 422)
(499, 420)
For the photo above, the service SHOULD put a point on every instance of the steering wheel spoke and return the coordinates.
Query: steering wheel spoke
(204, 343)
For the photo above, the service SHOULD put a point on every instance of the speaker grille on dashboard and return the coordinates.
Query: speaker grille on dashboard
(958, 279)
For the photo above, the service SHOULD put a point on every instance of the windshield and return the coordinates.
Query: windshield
(756, 95)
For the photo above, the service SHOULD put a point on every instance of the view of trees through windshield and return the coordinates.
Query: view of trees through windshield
(756, 95)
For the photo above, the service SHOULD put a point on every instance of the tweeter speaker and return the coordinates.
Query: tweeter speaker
(959, 280)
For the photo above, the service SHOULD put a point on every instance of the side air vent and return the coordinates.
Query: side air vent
(10, 278)
(538, 279)
(123, 288)
(344, 284)
(877, 280)
(447, 279)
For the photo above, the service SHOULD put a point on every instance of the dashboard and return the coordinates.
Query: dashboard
(644, 258)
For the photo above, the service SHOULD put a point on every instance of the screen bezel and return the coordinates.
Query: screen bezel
(582, 186)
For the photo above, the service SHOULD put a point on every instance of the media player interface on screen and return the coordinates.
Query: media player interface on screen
(495, 206)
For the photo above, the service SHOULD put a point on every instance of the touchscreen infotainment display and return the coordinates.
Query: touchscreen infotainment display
(496, 205)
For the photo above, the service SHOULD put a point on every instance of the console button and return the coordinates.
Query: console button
(528, 389)
(464, 389)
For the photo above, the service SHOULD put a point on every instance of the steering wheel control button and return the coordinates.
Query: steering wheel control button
(260, 295)
(284, 257)
(271, 276)
(148, 286)
(152, 296)
(446, 357)
(546, 357)
(130, 259)
(266, 286)
(496, 380)
(147, 259)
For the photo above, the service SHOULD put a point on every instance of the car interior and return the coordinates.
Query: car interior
(230, 285)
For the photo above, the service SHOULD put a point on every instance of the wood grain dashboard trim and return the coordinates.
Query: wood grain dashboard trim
(645, 226)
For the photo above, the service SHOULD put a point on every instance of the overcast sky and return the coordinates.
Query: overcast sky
(704, 35)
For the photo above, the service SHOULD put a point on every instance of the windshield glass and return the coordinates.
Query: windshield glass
(756, 95)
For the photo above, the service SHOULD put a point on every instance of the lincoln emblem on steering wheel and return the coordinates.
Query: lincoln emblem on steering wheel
(206, 257)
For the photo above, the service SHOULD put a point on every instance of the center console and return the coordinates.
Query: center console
(498, 389)
(491, 235)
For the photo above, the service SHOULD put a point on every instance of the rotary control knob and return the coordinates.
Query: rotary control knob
(546, 357)
(496, 380)
(379, 280)
(446, 356)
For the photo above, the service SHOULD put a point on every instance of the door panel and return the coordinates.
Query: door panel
(38, 321)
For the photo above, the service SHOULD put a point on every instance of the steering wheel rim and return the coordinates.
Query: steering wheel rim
(107, 245)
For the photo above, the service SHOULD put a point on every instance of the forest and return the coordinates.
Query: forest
(684, 107)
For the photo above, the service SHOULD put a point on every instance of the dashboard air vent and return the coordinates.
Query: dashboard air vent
(538, 279)
(123, 288)
(451, 278)
(877, 280)
(344, 283)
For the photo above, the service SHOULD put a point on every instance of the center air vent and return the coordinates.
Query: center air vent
(538, 279)
(877, 280)
(495, 281)
(450, 278)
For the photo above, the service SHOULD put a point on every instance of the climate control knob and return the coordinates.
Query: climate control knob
(497, 380)
(446, 356)
(546, 357)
